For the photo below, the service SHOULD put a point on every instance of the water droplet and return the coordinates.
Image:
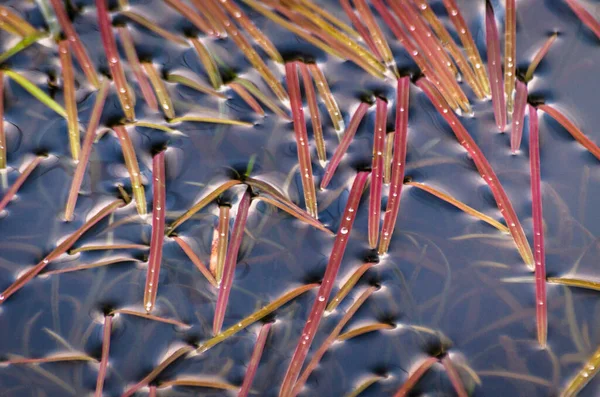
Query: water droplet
(321, 299)
(344, 230)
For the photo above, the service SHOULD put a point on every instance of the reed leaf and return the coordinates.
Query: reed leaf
(318, 308)
(302, 144)
(539, 56)
(538, 228)
(361, 28)
(454, 377)
(210, 384)
(315, 117)
(188, 13)
(86, 150)
(249, 99)
(237, 235)
(364, 330)
(26, 42)
(192, 83)
(377, 172)
(516, 132)
(210, 66)
(209, 119)
(78, 48)
(124, 92)
(460, 205)
(268, 102)
(330, 103)
(574, 282)
(153, 27)
(398, 164)
(196, 261)
(486, 172)
(151, 317)
(104, 357)
(342, 148)
(3, 142)
(375, 32)
(16, 24)
(254, 360)
(50, 359)
(330, 340)
(495, 66)
(160, 89)
(571, 129)
(10, 193)
(70, 99)
(59, 250)
(585, 16)
(387, 157)
(510, 53)
(348, 285)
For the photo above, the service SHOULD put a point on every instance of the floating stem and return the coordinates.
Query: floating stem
(268, 102)
(255, 359)
(195, 260)
(210, 66)
(16, 24)
(188, 13)
(3, 142)
(348, 285)
(245, 95)
(223, 240)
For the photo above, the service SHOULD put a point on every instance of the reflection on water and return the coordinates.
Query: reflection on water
(450, 283)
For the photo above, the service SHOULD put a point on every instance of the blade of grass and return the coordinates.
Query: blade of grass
(296, 212)
(468, 43)
(330, 340)
(152, 26)
(3, 142)
(86, 149)
(268, 102)
(201, 204)
(108, 247)
(136, 67)
(538, 228)
(254, 360)
(51, 359)
(210, 66)
(22, 45)
(387, 157)
(104, 358)
(519, 116)
(574, 282)
(210, 384)
(495, 66)
(249, 52)
(94, 265)
(70, 100)
(155, 126)
(237, 235)
(460, 205)
(539, 56)
(188, 82)
(377, 172)
(361, 28)
(510, 53)
(188, 13)
(306, 174)
(330, 103)
(20, 25)
(36, 92)
(78, 48)
(583, 377)
(398, 164)
(195, 260)
(375, 32)
(158, 230)
(214, 23)
(342, 148)
(246, 23)
(150, 317)
(160, 89)
(450, 45)
(348, 285)
(486, 172)
(10, 193)
(454, 377)
(209, 119)
(572, 129)
(59, 250)
(133, 168)
(329, 17)
(364, 330)
(245, 95)
(315, 117)
(586, 18)
(318, 308)
(114, 63)
(364, 386)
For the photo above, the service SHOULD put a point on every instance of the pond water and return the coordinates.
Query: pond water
(445, 271)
